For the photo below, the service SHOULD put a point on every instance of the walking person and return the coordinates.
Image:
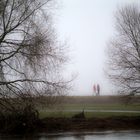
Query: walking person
(94, 89)
(98, 89)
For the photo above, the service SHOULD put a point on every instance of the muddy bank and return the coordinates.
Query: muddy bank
(92, 124)
(55, 125)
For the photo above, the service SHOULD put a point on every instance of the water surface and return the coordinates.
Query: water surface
(108, 135)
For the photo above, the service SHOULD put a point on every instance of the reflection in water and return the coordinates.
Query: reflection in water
(79, 137)
(123, 135)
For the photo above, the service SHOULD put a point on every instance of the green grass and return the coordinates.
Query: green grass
(59, 110)
(109, 114)
(57, 114)
(74, 105)
(134, 107)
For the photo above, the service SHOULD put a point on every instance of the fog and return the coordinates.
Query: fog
(87, 26)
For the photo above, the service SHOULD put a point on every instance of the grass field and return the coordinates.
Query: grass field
(57, 114)
(135, 107)
(74, 105)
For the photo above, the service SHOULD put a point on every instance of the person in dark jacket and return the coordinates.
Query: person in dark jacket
(98, 89)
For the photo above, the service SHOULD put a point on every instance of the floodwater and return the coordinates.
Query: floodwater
(107, 135)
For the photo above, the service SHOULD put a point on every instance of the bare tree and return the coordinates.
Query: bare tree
(124, 51)
(30, 56)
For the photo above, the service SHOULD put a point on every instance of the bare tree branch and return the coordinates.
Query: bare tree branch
(30, 56)
(124, 51)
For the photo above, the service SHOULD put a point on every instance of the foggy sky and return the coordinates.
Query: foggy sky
(87, 26)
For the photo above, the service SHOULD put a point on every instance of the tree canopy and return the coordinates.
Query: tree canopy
(124, 51)
(30, 55)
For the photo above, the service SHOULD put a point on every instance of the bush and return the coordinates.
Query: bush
(20, 121)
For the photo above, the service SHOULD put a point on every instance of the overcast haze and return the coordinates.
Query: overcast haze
(88, 25)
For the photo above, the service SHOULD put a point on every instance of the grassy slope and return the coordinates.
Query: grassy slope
(57, 114)
(135, 107)
(91, 103)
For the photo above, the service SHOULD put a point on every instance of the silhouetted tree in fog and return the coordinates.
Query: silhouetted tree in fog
(30, 56)
(124, 51)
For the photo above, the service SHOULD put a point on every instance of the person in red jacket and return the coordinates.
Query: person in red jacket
(94, 89)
